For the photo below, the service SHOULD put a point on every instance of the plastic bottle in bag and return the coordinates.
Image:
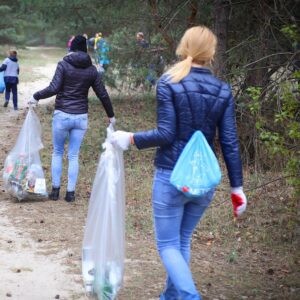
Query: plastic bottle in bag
(35, 172)
(108, 281)
(88, 269)
(20, 168)
(8, 168)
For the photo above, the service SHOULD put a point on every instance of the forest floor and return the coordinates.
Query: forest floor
(256, 257)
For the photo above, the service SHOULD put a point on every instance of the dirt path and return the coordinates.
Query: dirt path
(26, 272)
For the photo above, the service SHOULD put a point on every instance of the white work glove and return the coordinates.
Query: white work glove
(112, 121)
(122, 139)
(32, 101)
(239, 201)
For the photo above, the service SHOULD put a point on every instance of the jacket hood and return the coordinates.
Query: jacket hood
(78, 59)
(13, 58)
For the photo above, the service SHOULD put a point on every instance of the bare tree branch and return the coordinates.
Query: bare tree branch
(194, 10)
(157, 20)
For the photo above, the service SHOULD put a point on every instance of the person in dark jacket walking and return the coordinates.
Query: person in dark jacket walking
(73, 77)
(10, 67)
(189, 98)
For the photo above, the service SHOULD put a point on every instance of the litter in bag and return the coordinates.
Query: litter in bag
(23, 174)
(197, 169)
(2, 84)
(103, 250)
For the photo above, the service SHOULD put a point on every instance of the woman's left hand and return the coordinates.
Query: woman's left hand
(112, 121)
(239, 201)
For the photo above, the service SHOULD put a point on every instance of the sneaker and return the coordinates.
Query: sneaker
(5, 103)
(54, 195)
(15, 108)
(70, 196)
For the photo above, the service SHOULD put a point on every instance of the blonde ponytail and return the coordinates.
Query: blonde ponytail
(180, 70)
(197, 45)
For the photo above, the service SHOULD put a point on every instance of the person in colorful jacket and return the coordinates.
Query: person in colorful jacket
(103, 58)
(189, 98)
(10, 67)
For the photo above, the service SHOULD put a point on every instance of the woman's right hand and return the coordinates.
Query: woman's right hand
(122, 139)
(32, 101)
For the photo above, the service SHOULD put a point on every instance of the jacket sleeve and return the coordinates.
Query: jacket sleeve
(3, 67)
(166, 121)
(102, 94)
(55, 85)
(230, 144)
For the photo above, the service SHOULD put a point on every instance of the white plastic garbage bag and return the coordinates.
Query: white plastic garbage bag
(23, 174)
(103, 248)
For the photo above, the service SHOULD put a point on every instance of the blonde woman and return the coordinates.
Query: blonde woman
(189, 98)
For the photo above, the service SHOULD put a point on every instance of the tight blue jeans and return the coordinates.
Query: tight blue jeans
(72, 127)
(175, 218)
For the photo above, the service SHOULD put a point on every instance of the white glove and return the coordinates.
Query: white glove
(121, 139)
(239, 201)
(32, 101)
(112, 121)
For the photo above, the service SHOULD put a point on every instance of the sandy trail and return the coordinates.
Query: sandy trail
(25, 273)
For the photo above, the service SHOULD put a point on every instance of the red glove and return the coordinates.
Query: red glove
(239, 201)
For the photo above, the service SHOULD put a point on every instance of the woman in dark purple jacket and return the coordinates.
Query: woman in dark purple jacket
(73, 77)
(189, 98)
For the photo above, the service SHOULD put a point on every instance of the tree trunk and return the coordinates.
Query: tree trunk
(221, 9)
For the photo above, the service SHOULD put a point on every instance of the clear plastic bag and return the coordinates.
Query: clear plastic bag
(23, 174)
(197, 169)
(103, 247)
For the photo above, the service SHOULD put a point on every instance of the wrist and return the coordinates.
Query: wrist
(131, 139)
(237, 190)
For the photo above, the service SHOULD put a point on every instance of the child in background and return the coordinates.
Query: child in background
(10, 66)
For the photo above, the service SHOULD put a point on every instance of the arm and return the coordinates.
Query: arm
(55, 84)
(4, 64)
(102, 94)
(3, 67)
(231, 152)
(166, 121)
(230, 144)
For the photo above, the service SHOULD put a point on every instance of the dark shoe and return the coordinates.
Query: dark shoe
(70, 196)
(5, 103)
(54, 195)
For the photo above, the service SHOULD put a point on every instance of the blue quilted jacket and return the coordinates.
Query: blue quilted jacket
(199, 101)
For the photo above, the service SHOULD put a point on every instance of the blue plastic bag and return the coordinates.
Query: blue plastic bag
(2, 84)
(197, 169)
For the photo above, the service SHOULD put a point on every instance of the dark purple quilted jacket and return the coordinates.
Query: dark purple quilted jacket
(73, 77)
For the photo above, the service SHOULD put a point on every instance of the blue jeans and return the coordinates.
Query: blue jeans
(175, 218)
(73, 127)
